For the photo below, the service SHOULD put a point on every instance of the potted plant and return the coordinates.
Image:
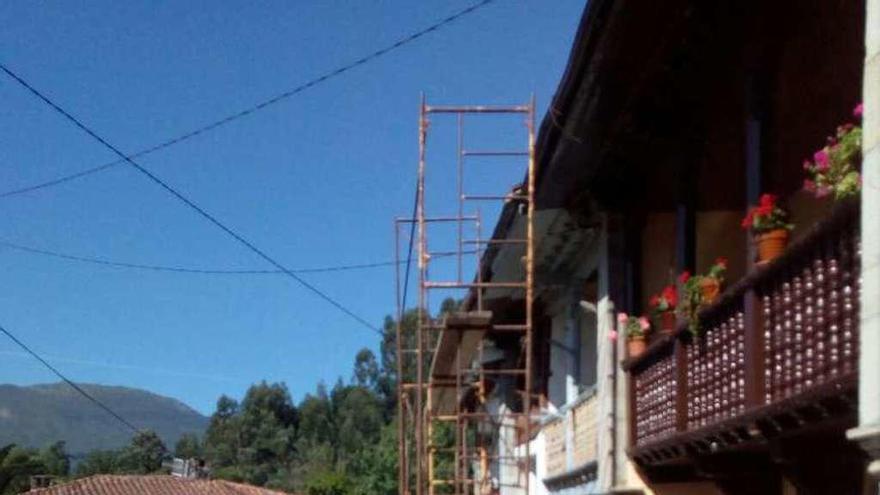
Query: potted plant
(635, 329)
(769, 224)
(834, 169)
(692, 300)
(710, 284)
(663, 306)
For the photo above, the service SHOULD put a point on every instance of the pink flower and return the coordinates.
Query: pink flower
(684, 277)
(612, 336)
(809, 186)
(643, 322)
(622, 318)
(807, 165)
(858, 110)
(821, 159)
(823, 191)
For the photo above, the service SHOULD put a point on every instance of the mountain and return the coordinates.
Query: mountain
(38, 415)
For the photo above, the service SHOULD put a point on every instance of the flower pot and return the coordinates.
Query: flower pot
(667, 322)
(771, 244)
(635, 346)
(710, 288)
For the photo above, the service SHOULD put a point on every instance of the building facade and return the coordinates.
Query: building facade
(670, 122)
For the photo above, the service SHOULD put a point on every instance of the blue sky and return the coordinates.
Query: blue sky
(314, 180)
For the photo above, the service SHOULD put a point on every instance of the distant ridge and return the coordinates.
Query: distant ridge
(37, 415)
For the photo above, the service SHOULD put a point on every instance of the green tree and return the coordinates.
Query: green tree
(17, 465)
(56, 460)
(99, 462)
(188, 446)
(328, 483)
(358, 419)
(222, 436)
(341, 442)
(316, 418)
(375, 467)
(254, 442)
(144, 455)
(366, 369)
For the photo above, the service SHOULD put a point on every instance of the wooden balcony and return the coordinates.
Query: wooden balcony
(570, 443)
(776, 358)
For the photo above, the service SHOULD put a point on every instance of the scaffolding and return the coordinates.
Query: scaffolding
(451, 439)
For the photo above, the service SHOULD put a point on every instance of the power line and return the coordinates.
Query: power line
(259, 106)
(200, 271)
(203, 213)
(182, 269)
(70, 382)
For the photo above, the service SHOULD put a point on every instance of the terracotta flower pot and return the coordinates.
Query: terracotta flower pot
(771, 244)
(710, 287)
(667, 322)
(635, 346)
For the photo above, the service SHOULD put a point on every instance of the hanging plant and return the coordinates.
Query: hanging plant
(700, 291)
(834, 169)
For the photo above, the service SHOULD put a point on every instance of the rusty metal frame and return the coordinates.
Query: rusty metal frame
(416, 387)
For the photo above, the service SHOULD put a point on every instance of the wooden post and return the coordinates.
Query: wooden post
(681, 395)
(754, 349)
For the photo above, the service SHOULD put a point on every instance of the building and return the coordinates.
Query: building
(673, 118)
(104, 484)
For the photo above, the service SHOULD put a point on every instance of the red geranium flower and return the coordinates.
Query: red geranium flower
(721, 260)
(670, 295)
(654, 301)
(684, 277)
(764, 210)
(768, 200)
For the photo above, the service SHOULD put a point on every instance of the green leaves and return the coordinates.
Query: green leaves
(144, 455)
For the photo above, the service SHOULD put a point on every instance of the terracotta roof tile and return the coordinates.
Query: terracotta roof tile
(150, 485)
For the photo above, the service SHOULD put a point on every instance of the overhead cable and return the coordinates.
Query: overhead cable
(254, 108)
(188, 202)
(199, 271)
(70, 382)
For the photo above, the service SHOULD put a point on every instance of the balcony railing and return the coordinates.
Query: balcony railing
(781, 342)
(570, 442)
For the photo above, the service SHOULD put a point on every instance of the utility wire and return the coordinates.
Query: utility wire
(257, 107)
(203, 213)
(202, 271)
(70, 382)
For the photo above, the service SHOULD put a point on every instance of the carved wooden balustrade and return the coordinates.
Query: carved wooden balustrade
(778, 351)
(570, 443)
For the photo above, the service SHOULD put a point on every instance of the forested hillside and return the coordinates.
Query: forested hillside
(39, 415)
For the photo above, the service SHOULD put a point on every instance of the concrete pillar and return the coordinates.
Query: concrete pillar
(868, 431)
(573, 343)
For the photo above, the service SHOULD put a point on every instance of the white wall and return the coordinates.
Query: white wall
(560, 359)
(868, 432)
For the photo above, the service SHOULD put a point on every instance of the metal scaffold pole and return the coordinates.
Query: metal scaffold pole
(464, 441)
(422, 310)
